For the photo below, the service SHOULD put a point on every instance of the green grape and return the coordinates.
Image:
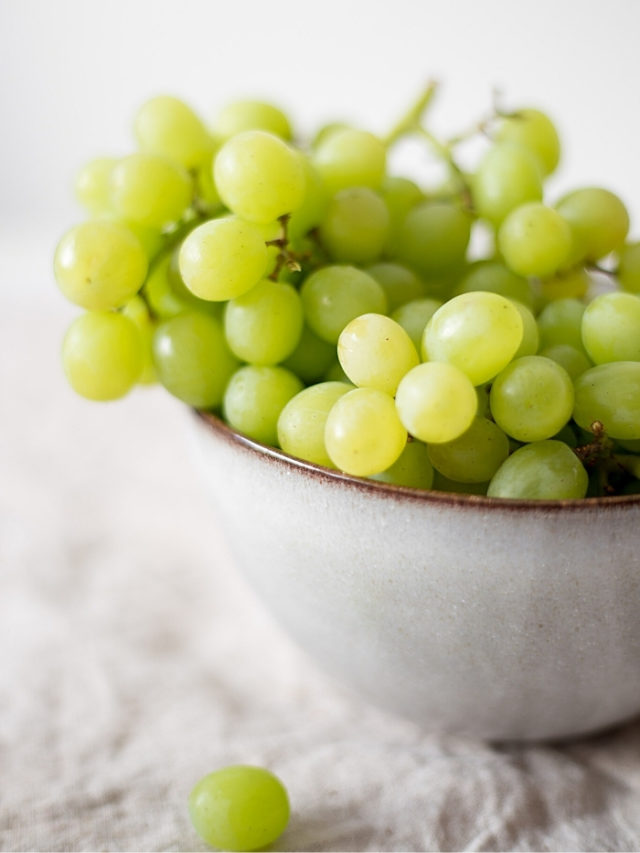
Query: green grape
(239, 808)
(530, 335)
(629, 267)
(376, 352)
(436, 402)
(412, 468)
(534, 240)
(610, 393)
(363, 434)
(136, 310)
(192, 358)
(223, 258)
(350, 158)
(302, 422)
(533, 130)
(611, 328)
(254, 398)
(355, 226)
(239, 116)
(334, 295)
(560, 322)
(259, 177)
(311, 358)
(399, 195)
(93, 185)
(598, 220)
(482, 393)
(444, 484)
(566, 284)
(99, 265)
(508, 176)
(434, 237)
(495, 277)
(314, 205)
(413, 317)
(573, 360)
(264, 325)
(152, 239)
(167, 126)
(159, 293)
(633, 445)
(532, 398)
(544, 470)
(473, 457)
(150, 190)
(102, 355)
(335, 373)
(207, 195)
(399, 283)
(477, 332)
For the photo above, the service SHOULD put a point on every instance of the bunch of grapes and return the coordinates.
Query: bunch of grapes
(320, 304)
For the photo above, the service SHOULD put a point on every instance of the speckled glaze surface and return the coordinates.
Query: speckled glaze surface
(502, 619)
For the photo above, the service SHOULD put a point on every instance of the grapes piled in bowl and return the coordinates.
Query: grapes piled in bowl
(322, 305)
(417, 406)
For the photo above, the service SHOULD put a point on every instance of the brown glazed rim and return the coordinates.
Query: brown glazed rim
(426, 496)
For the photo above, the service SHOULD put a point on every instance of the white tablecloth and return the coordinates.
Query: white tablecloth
(135, 660)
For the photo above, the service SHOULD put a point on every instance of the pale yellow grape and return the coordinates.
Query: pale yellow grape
(302, 421)
(150, 190)
(629, 267)
(259, 177)
(223, 258)
(478, 332)
(99, 265)
(436, 402)
(376, 352)
(102, 355)
(167, 126)
(350, 158)
(93, 185)
(363, 433)
(241, 115)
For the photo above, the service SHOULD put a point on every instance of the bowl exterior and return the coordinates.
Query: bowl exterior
(483, 617)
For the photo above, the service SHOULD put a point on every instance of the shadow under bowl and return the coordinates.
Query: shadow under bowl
(504, 619)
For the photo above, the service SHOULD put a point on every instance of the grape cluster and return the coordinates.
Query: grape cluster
(322, 305)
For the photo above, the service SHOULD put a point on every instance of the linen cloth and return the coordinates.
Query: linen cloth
(134, 660)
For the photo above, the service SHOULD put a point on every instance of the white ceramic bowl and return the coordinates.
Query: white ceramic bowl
(503, 619)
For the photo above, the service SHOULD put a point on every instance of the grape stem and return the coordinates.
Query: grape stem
(412, 119)
(412, 124)
(598, 456)
(285, 256)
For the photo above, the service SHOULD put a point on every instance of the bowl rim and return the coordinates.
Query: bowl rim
(402, 493)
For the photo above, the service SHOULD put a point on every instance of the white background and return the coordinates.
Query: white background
(72, 73)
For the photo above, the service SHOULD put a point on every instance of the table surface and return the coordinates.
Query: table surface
(135, 660)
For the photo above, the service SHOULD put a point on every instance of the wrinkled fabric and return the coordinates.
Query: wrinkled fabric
(135, 660)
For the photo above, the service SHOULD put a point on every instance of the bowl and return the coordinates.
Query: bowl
(503, 619)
